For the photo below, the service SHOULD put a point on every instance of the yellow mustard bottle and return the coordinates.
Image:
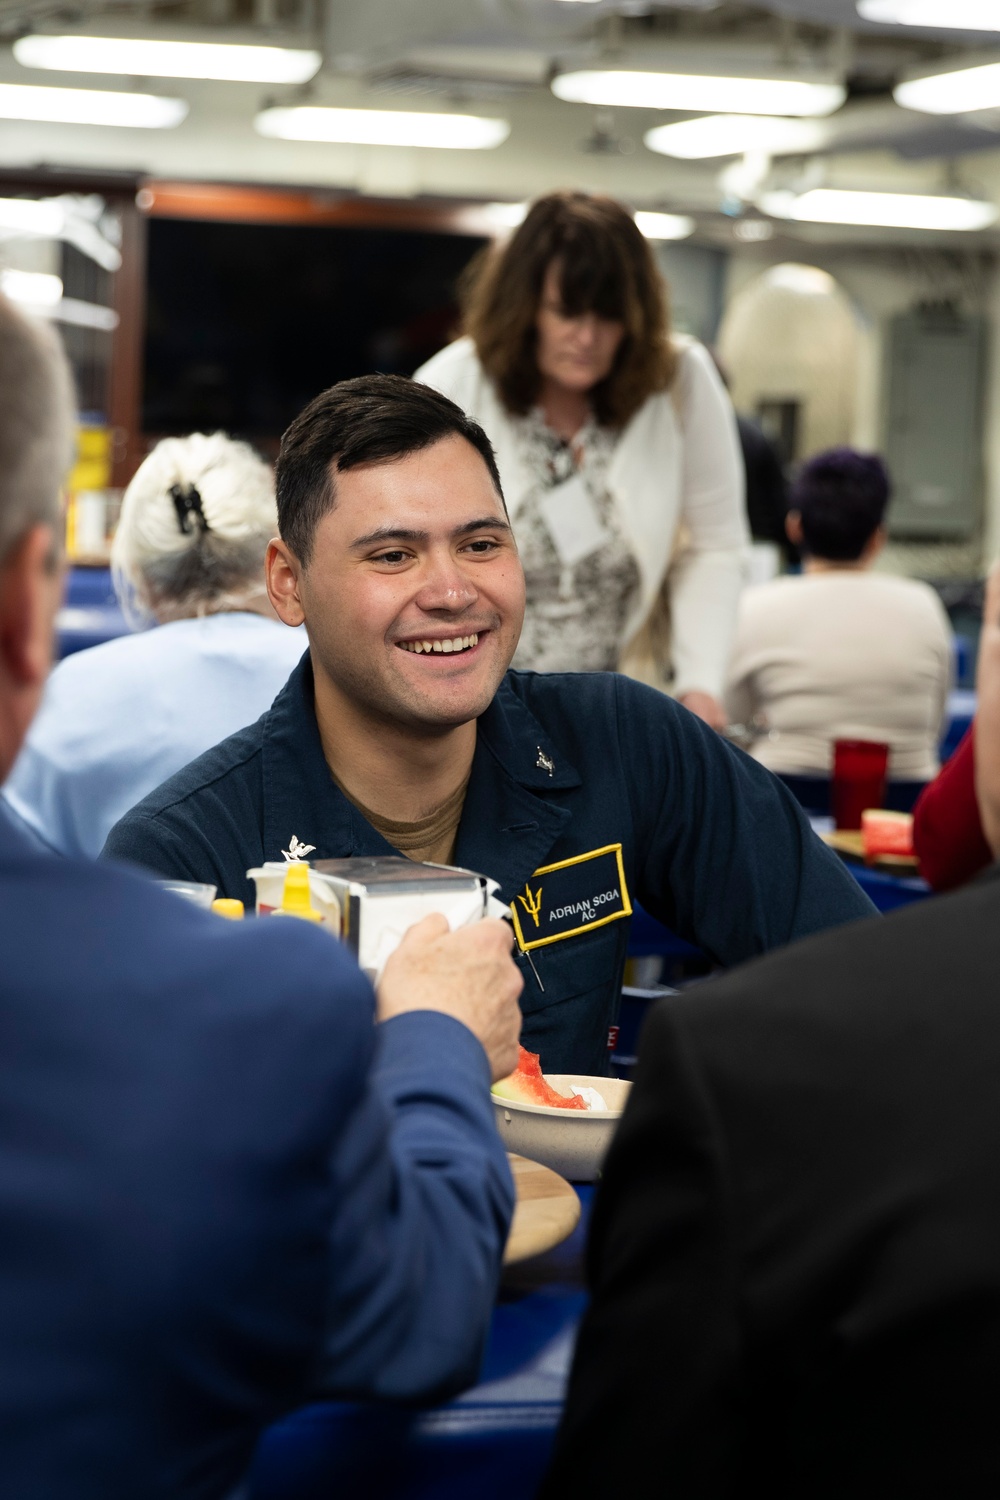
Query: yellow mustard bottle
(296, 899)
(225, 906)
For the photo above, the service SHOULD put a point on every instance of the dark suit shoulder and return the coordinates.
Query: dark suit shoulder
(905, 964)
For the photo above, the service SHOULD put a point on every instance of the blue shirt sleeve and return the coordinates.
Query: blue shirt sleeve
(424, 1198)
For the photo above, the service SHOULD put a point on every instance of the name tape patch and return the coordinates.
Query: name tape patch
(570, 897)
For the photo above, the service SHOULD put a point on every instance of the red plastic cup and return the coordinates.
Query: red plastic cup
(859, 768)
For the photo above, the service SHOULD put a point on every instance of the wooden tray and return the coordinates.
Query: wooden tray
(546, 1212)
(849, 842)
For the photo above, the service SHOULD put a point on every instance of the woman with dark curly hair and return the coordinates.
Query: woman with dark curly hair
(617, 448)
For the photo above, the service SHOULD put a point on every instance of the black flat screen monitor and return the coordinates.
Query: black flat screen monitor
(247, 322)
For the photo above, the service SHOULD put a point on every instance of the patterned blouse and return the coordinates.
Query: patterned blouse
(575, 616)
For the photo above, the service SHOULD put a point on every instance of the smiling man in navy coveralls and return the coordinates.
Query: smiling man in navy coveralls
(403, 729)
(223, 1188)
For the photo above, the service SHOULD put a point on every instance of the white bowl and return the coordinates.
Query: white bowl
(573, 1142)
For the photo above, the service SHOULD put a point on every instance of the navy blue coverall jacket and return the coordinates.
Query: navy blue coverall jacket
(588, 792)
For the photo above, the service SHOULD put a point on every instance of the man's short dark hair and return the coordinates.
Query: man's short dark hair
(369, 420)
(841, 496)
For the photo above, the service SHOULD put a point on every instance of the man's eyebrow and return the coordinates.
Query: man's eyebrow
(485, 523)
(404, 534)
(388, 534)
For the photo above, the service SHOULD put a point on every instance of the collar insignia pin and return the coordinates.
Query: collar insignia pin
(296, 851)
(545, 762)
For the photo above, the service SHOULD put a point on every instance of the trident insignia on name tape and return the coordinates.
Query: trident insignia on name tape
(532, 902)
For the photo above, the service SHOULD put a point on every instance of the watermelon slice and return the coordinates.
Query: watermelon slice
(527, 1085)
(885, 832)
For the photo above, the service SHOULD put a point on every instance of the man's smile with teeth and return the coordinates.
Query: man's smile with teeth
(456, 643)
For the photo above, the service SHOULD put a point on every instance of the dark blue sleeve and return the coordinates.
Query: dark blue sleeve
(212, 836)
(725, 855)
(154, 846)
(424, 1200)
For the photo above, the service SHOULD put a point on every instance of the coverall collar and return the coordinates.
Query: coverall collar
(508, 823)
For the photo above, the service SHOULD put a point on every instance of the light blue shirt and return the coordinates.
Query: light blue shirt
(117, 720)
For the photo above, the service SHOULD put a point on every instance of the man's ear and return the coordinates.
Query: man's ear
(31, 582)
(793, 528)
(875, 544)
(281, 575)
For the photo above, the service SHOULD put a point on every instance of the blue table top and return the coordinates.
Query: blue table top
(492, 1443)
(889, 892)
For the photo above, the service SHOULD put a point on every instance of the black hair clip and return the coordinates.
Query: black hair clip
(187, 504)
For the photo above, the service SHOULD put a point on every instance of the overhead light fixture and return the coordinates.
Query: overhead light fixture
(943, 15)
(954, 93)
(37, 288)
(881, 210)
(82, 314)
(804, 281)
(656, 226)
(752, 231)
(148, 58)
(41, 294)
(32, 216)
(734, 135)
(505, 215)
(382, 127)
(699, 92)
(22, 101)
(58, 219)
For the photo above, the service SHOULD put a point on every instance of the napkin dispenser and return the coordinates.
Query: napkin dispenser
(370, 902)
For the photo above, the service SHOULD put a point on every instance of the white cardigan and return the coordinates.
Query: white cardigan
(677, 461)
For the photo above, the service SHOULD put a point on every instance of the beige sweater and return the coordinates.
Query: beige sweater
(842, 655)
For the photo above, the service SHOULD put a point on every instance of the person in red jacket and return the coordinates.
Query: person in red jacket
(956, 822)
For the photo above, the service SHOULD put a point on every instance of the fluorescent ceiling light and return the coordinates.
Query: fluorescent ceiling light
(20, 101)
(805, 281)
(36, 287)
(751, 230)
(751, 96)
(29, 216)
(42, 295)
(945, 15)
(735, 135)
(952, 93)
(505, 215)
(382, 127)
(58, 219)
(885, 210)
(82, 314)
(164, 59)
(664, 226)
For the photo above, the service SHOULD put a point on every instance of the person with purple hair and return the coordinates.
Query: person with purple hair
(841, 652)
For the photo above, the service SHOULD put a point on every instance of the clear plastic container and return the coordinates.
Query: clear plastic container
(191, 890)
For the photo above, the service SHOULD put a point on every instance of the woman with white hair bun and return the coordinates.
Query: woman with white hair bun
(188, 557)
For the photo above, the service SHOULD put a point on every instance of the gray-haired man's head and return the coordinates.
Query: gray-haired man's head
(36, 425)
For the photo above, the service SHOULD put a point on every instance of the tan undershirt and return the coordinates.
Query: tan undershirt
(430, 840)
